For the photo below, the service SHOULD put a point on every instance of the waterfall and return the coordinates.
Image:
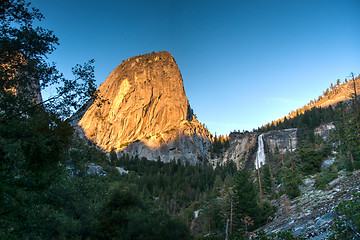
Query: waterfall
(260, 155)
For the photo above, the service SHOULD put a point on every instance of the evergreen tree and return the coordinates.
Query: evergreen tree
(347, 219)
(245, 200)
(346, 132)
(34, 141)
(267, 180)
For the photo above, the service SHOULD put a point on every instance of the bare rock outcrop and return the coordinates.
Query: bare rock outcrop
(147, 112)
(284, 140)
(325, 130)
(242, 148)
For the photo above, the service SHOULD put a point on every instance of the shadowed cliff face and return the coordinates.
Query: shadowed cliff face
(242, 149)
(284, 140)
(243, 146)
(147, 113)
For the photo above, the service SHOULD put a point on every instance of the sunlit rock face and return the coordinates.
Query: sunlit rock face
(344, 92)
(147, 113)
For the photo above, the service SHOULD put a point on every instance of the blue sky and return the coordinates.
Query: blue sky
(244, 63)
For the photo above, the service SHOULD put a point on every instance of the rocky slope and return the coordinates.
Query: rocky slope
(339, 93)
(147, 112)
(311, 215)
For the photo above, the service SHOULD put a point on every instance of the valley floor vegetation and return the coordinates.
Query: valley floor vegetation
(48, 192)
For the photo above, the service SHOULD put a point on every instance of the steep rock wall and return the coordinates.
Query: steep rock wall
(243, 146)
(284, 140)
(147, 112)
(242, 149)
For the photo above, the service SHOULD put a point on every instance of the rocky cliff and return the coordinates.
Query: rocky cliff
(243, 146)
(284, 140)
(146, 113)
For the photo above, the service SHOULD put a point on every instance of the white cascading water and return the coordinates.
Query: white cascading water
(260, 155)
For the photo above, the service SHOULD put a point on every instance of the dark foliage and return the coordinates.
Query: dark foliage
(174, 184)
(347, 219)
(219, 145)
(308, 120)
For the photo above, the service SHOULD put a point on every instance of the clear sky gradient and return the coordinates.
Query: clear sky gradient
(244, 63)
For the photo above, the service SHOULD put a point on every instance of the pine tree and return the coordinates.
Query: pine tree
(267, 180)
(245, 200)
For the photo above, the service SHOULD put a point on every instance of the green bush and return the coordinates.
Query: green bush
(347, 219)
(327, 175)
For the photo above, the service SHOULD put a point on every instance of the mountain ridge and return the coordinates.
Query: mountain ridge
(330, 97)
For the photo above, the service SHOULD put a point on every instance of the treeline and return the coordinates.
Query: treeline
(310, 119)
(219, 145)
